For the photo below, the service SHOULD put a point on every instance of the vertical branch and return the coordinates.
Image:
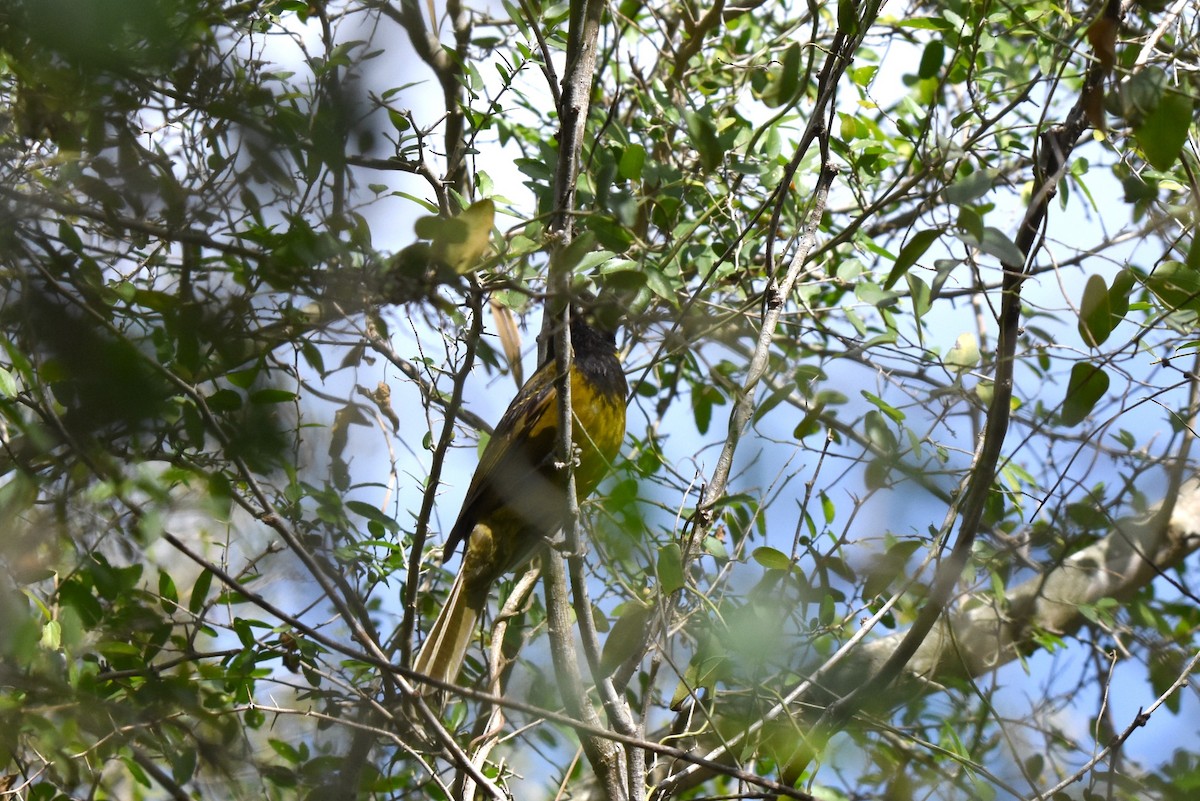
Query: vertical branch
(456, 142)
(573, 110)
(447, 70)
(607, 760)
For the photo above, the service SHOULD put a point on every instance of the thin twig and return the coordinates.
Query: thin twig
(1139, 720)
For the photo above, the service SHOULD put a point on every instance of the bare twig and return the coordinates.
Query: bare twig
(1139, 720)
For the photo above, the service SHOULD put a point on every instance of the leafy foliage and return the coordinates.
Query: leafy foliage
(910, 298)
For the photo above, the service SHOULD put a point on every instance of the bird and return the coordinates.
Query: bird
(516, 500)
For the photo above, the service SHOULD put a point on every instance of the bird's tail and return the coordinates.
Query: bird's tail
(441, 655)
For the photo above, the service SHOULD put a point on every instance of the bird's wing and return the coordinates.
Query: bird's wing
(516, 458)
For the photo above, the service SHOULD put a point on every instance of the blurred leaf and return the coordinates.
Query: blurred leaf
(969, 188)
(1176, 285)
(200, 592)
(168, 596)
(931, 59)
(339, 432)
(1102, 35)
(670, 568)
(1138, 95)
(633, 158)
(1087, 386)
(462, 243)
(964, 355)
(52, 635)
(1119, 294)
(783, 82)
(373, 514)
(996, 243)
(702, 133)
(1095, 315)
(510, 338)
(771, 558)
(1163, 132)
(626, 637)
(885, 407)
(268, 396)
(224, 400)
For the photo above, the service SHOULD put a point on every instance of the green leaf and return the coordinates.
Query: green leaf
(371, 513)
(1095, 316)
(1176, 285)
(627, 636)
(224, 400)
(659, 284)
(703, 134)
(771, 558)
(52, 635)
(784, 81)
(670, 568)
(828, 612)
(1138, 95)
(1087, 386)
(847, 17)
(398, 120)
(168, 596)
(633, 158)
(80, 598)
(1164, 130)
(971, 187)
(285, 750)
(874, 295)
(878, 431)
(466, 237)
(965, 353)
(884, 407)
(243, 379)
(810, 424)
(570, 257)
(925, 23)
(702, 673)
(921, 295)
(8, 384)
(200, 592)
(913, 249)
(183, 764)
(1119, 294)
(996, 243)
(932, 59)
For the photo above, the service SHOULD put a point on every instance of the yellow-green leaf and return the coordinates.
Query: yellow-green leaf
(467, 240)
(965, 353)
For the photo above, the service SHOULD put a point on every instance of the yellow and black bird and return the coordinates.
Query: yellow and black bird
(517, 498)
